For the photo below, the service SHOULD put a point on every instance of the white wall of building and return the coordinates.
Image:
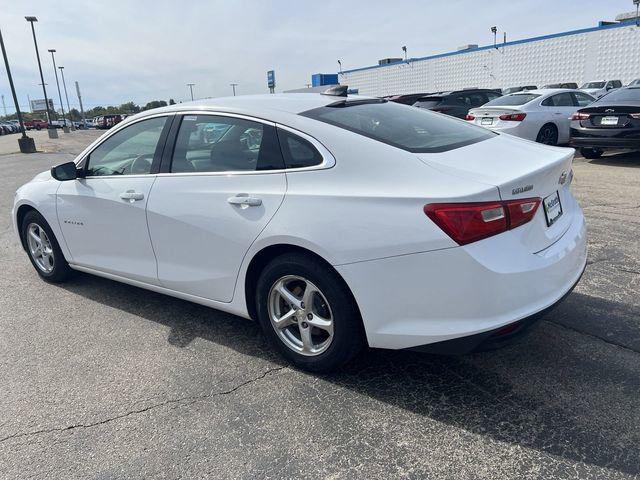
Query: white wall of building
(610, 52)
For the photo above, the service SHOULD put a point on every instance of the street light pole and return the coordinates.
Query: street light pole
(234, 85)
(65, 129)
(84, 121)
(64, 84)
(27, 145)
(190, 85)
(52, 131)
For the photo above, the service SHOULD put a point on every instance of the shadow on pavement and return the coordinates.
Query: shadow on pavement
(553, 392)
(622, 159)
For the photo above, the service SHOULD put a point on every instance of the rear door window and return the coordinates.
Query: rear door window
(212, 143)
(412, 129)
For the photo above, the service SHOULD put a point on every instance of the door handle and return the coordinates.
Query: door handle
(243, 199)
(131, 196)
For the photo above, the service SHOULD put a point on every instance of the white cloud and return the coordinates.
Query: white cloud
(143, 50)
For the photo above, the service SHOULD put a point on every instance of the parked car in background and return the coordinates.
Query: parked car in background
(539, 115)
(570, 85)
(613, 121)
(507, 91)
(107, 121)
(6, 128)
(457, 103)
(430, 236)
(61, 123)
(634, 83)
(35, 124)
(406, 99)
(599, 88)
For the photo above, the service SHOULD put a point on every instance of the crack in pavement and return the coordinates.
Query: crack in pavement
(572, 329)
(188, 400)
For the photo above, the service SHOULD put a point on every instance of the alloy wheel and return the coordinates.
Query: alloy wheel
(40, 248)
(301, 316)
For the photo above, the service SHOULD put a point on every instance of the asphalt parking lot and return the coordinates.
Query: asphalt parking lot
(103, 380)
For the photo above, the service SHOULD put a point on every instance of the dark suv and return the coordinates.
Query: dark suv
(457, 103)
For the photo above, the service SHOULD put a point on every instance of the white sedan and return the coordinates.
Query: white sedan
(543, 116)
(334, 221)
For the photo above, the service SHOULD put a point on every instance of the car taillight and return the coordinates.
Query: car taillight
(635, 115)
(513, 117)
(469, 222)
(469, 117)
(580, 116)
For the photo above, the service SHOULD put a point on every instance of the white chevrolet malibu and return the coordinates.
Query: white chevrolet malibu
(334, 221)
(543, 116)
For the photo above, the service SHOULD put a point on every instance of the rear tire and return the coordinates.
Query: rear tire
(319, 336)
(548, 135)
(43, 249)
(591, 153)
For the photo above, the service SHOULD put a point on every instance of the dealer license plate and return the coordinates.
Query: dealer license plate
(552, 208)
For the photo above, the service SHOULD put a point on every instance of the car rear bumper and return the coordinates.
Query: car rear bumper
(473, 291)
(605, 142)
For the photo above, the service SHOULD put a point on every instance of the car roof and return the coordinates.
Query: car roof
(265, 105)
(545, 91)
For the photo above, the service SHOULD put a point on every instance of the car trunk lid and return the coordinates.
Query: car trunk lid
(519, 169)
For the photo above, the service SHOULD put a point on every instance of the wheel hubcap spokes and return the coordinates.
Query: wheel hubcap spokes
(40, 247)
(300, 315)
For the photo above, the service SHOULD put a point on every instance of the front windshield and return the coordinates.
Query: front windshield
(593, 85)
(512, 100)
(413, 129)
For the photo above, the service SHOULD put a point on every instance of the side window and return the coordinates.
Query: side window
(128, 152)
(563, 100)
(548, 102)
(297, 152)
(617, 84)
(476, 99)
(582, 100)
(215, 143)
(492, 96)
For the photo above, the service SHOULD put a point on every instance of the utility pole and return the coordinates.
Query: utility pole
(65, 129)
(234, 85)
(64, 84)
(26, 144)
(190, 85)
(52, 131)
(4, 107)
(29, 100)
(84, 122)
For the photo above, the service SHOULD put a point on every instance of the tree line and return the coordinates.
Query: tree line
(126, 108)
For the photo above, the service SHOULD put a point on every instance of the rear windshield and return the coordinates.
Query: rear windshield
(593, 85)
(623, 95)
(412, 129)
(514, 99)
(427, 102)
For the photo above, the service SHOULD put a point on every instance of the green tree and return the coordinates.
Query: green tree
(154, 104)
(172, 101)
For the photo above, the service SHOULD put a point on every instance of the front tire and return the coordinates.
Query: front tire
(591, 153)
(43, 249)
(306, 310)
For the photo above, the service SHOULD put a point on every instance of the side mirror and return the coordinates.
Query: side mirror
(64, 172)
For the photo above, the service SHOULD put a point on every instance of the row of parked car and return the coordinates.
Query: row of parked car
(101, 122)
(598, 116)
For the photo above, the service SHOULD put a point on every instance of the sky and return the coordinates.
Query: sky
(142, 50)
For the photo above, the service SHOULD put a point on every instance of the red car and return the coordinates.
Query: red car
(36, 123)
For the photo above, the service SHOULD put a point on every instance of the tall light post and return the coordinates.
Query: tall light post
(190, 85)
(65, 129)
(404, 49)
(494, 30)
(234, 85)
(64, 84)
(26, 144)
(52, 131)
